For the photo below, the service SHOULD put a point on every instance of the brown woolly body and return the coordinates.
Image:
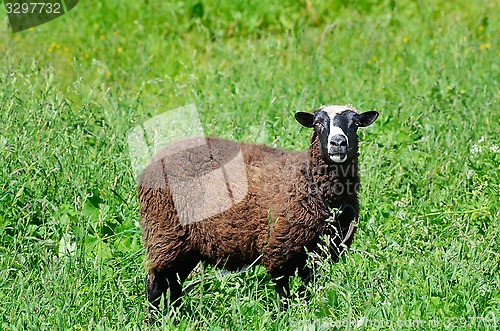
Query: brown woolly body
(289, 197)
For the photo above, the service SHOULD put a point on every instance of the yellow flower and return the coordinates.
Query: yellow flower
(87, 55)
(115, 33)
(66, 49)
(484, 46)
(481, 28)
(58, 46)
(108, 74)
(405, 40)
(102, 37)
(120, 49)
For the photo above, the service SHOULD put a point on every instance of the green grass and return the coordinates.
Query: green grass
(428, 247)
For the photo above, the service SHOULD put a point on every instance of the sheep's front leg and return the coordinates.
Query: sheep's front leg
(283, 289)
(306, 276)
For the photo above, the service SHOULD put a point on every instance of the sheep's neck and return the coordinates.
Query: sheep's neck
(334, 183)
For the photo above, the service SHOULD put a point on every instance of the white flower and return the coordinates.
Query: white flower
(476, 149)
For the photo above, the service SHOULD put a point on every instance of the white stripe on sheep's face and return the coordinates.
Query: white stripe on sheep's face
(336, 128)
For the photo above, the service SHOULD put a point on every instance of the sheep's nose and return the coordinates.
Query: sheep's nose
(338, 141)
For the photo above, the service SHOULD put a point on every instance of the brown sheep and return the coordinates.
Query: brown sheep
(280, 202)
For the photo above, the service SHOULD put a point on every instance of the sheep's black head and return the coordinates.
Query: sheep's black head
(336, 128)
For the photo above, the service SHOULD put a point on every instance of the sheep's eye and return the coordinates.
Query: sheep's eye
(319, 125)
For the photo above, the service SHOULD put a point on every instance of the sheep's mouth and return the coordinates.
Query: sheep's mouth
(338, 154)
(338, 157)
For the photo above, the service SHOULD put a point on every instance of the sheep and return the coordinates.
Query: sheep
(281, 203)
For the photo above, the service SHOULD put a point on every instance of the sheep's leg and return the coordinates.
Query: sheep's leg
(156, 286)
(159, 281)
(176, 278)
(175, 286)
(282, 287)
(283, 290)
(306, 276)
(172, 278)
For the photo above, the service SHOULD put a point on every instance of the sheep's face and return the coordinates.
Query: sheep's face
(336, 128)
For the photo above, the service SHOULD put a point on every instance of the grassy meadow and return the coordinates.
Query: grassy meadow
(427, 252)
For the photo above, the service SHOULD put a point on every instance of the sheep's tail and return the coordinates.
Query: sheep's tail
(221, 273)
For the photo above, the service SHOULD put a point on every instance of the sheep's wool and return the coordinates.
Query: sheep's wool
(336, 109)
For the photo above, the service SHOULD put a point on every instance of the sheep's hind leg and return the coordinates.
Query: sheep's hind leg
(156, 285)
(176, 277)
(159, 282)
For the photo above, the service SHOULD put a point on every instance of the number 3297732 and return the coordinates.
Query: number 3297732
(33, 8)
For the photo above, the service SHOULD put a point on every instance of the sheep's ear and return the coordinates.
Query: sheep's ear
(366, 118)
(306, 119)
